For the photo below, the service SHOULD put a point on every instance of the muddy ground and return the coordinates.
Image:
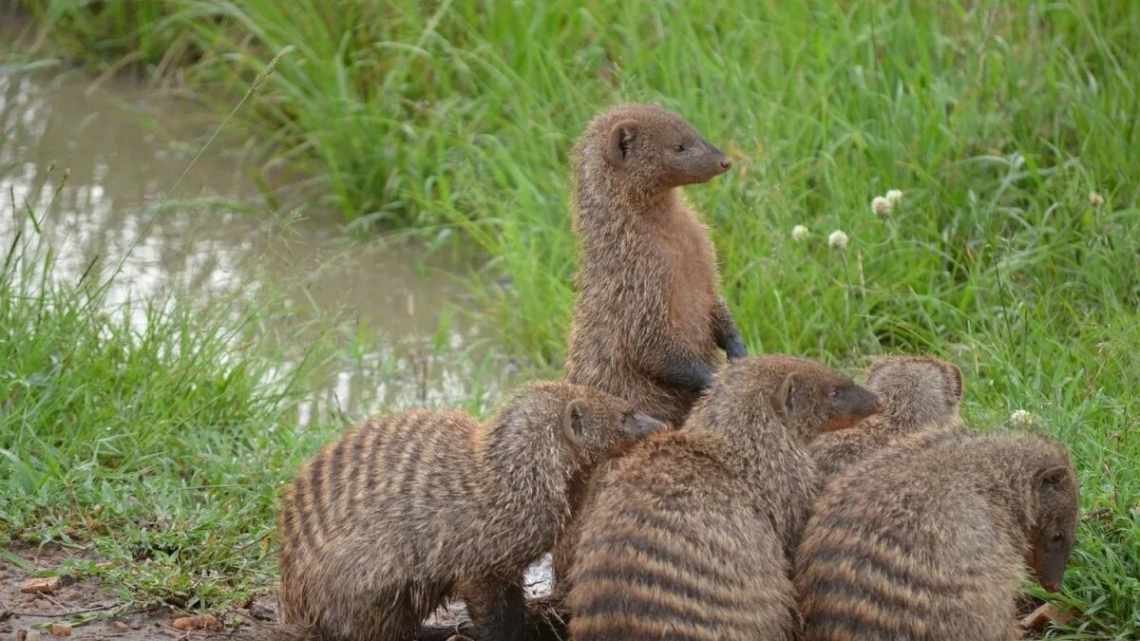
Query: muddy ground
(88, 610)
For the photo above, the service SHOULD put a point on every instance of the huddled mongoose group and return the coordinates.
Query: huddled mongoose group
(691, 533)
(684, 494)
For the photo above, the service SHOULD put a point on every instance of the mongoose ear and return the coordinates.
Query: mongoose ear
(1052, 476)
(573, 422)
(789, 398)
(620, 141)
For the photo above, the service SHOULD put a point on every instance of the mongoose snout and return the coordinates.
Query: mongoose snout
(638, 426)
(850, 404)
(698, 162)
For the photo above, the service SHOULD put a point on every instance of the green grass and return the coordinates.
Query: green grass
(148, 429)
(995, 118)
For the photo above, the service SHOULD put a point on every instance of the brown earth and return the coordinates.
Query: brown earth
(93, 612)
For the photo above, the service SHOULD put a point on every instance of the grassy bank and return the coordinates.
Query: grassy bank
(148, 429)
(996, 119)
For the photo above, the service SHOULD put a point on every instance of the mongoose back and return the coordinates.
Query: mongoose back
(932, 543)
(690, 535)
(918, 392)
(648, 320)
(403, 512)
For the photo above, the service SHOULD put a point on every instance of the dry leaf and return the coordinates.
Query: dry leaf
(60, 630)
(197, 622)
(1047, 613)
(120, 626)
(41, 585)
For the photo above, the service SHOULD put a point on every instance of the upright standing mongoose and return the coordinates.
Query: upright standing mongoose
(691, 532)
(931, 543)
(918, 392)
(403, 512)
(648, 320)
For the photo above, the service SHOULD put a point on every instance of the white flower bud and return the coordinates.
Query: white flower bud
(881, 206)
(837, 240)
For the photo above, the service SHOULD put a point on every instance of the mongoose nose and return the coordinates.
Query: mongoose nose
(643, 424)
(725, 163)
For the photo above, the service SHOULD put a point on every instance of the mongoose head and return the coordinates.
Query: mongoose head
(653, 149)
(597, 424)
(813, 398)
(807, 396)
(1054, 530)
(917, 390)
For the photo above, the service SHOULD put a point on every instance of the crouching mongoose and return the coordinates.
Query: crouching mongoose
(403, 512)
(932, 543)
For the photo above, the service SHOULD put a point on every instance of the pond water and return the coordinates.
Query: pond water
(107, 163)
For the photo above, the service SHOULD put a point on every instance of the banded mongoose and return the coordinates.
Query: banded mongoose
(918, 392)
(648, 320)
(691, 532)
(405, 511)
(933, 542)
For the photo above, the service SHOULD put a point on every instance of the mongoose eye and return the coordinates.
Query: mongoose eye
(1058, 537)
(679, 148)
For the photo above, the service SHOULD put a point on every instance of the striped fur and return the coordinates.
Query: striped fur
(689, 536)
(919, 393)
(402, 512)
(931, 542)
(649, 322)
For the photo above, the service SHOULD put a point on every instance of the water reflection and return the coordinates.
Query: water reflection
(99, 163)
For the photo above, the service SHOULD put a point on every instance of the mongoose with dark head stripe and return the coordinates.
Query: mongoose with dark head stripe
(648, 320)
(691, 533)
(406, 511)
(918, 392)
(932, 543)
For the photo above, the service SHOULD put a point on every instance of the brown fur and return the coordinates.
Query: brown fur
(918, 392)
(648, 321)
(690, 535)
(403, 512)
(932, 542)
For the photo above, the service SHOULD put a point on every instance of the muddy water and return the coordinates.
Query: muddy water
(108, 165)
